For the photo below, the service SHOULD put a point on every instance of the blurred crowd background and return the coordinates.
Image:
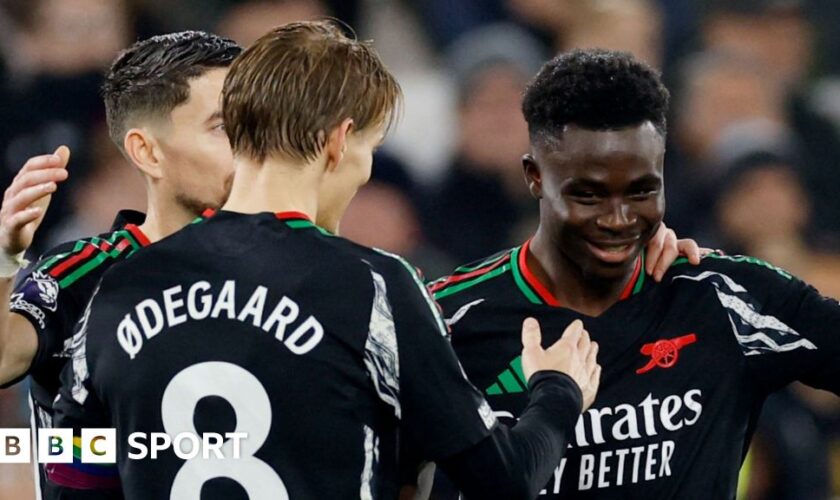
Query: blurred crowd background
(753, 162)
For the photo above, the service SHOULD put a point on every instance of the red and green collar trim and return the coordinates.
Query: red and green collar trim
(299, 220)
(537, 293)
(138, 235)
(89, 254)
(206, 214)
(292, 215)
(466, 277)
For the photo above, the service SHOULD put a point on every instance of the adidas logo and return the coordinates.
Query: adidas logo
(510, 381)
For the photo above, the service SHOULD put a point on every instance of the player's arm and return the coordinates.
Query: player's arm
(24, 205)
(78, 407)
(796, 334)
(526, 454)
(451, 423)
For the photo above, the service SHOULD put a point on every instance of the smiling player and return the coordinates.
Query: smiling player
(688, 361)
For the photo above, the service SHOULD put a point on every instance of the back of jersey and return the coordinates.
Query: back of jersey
(243, 324)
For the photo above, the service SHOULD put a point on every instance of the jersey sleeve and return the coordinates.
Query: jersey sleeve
(785, 329)
(77, 407)
(415, 369)
(51, 308)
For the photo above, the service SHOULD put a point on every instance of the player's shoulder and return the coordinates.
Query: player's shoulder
(391, 267)
(483, 278)
(742, 270)
(75, 261)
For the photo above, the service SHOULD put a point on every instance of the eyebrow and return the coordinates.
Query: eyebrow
(583, 182)
(647, 180)
(215, 116)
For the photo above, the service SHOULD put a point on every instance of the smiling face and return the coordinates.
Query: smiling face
(601, 195)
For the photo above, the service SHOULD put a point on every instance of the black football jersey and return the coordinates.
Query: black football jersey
(320, 350)
(686, 363)
(53, 296)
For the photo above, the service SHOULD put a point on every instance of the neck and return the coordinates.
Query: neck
(274, 186)
(570, 284)
(164, 216)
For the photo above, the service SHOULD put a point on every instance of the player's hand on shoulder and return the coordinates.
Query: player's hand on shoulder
(574, 354)
(26, 199)
(664, 248)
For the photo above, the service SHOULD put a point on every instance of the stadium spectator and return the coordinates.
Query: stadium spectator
(634, 26)
(244, 22)
(381, 215)
(763, 210)
(726, 104)
(55, 62)
(780, 36)
(482, 202)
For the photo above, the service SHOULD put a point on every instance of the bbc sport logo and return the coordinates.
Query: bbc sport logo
(99, 446)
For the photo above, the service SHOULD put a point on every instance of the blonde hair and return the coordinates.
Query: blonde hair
(285, 93)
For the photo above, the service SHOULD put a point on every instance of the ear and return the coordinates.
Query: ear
(337, 143)
(533, 176)
(144, 152)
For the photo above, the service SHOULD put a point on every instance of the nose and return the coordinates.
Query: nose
(618, 217)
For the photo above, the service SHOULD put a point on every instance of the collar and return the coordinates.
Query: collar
(537, 293)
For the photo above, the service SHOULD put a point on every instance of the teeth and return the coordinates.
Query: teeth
(614, 248)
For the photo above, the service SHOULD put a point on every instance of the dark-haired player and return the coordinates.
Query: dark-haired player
(688, 361)
(258, 321)
(162, 104)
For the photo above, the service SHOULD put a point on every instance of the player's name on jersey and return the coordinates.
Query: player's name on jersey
(201, 300)
(99, 446)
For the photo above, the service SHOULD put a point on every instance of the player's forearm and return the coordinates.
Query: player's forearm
(517, 462)
(18, 340)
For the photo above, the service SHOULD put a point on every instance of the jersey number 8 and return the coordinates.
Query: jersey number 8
(249, 400)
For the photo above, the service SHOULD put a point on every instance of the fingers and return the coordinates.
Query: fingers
(584, 343)
(706, 251)
(690, 249)
(41, 162)
(63, 154)
(30, 195)
(37, 170)
(532, 351)
(591, 361)
(654, 248)
(668, 256)
(572, 333)
(531, 334)
(35, 177)
(24, 217)
(595, 379)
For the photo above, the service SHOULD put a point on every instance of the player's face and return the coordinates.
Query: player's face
(601, 195)
(353, 171)
(199, 162)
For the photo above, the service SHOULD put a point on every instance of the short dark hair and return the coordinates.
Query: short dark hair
(594, 89)
(300, 80)
(151, 78)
